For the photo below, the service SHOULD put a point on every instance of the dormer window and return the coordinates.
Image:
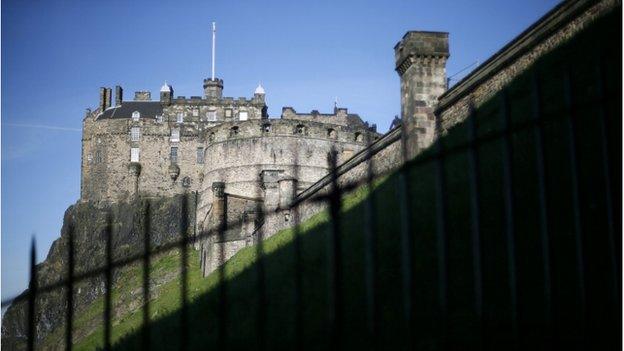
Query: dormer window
(243, 116)
(175, 134)
(135, 133)
(180, 118)
(300, 129)
(211, 116)
(234, 131)
(136, 115)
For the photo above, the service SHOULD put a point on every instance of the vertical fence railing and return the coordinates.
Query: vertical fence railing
(32, 293)
(370, 262)
(184, 242)
(606, 170)
(407, 242)
(508, 195)
(69, 317)
(108, 282)
(540, 164)
(145, 327)
(298, 262)
(261, 276)
(576, 205)
(222, 286)
(475, 219)
(334, 251)
(441, 236)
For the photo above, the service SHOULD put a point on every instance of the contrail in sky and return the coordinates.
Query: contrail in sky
(41, 126)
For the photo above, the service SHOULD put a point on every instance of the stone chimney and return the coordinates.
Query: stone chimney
(118, 95)
(102, 98)
(421, 63)
(109, 97)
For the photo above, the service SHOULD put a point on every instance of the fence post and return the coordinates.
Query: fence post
(32, 295)
(334, 252)
(70, 289)
(508, 185)
(146, 274)
(108, 281)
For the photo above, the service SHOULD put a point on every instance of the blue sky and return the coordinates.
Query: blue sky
(56, 55)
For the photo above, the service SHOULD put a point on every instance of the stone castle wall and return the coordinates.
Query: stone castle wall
(492, 76)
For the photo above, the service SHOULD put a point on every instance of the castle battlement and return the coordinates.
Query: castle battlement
(167, 147)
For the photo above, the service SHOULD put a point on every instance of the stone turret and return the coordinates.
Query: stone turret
(421, 63)
(213, 88)
(166, 94)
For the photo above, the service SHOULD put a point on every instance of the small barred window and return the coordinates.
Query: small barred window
(200, 155)
(135, 133)
(173, 156)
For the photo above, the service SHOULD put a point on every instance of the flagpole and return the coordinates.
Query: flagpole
(214, 31)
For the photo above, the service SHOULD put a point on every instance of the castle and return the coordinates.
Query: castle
(230, 154)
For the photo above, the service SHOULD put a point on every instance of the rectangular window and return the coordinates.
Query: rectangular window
(180, 118)
(195, 112)
(242, 115)
(134, 154)
(173, 156)
(135, 133)
(228, 113)
(200, 155)
(211, 116)
(159, 119)
(175, 134)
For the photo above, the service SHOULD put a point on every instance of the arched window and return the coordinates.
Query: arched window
(266, 128)
(234, 131)
(331, 133)
(136, 115)
(300, 129)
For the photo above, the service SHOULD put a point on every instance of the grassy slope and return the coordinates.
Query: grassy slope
(278, 327)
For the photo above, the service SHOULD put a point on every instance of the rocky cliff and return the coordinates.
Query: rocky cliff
(88, 223)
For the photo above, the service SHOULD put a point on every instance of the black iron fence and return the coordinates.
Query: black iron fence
(532, 259)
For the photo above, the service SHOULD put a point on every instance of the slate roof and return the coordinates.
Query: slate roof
(148, 109)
